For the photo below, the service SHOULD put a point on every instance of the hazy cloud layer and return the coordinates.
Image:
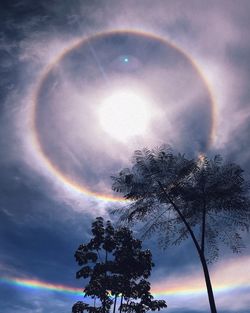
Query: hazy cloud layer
(43, 219)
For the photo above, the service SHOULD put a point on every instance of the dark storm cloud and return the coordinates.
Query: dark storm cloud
(32, 301)
(27, 213)
(38, 238)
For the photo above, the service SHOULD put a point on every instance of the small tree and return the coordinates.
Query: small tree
(202, 199)
(117, 267)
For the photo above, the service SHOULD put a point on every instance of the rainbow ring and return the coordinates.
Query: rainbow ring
(35, 137)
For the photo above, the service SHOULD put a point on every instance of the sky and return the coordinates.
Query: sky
(63, 65)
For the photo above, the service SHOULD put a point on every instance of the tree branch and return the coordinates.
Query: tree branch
(203, 227)
(182, 218)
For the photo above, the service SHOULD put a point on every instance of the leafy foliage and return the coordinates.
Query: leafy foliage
(160, 181)
(117, 267)
(179, 198)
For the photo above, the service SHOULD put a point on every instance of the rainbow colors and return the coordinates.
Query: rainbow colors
(227, 277)
(171, 291)
(36, 284)
(66, 180)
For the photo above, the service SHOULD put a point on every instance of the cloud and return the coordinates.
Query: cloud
(68, 97)
(43, 218)
(177, 21)
(188, 288)
(28, 300)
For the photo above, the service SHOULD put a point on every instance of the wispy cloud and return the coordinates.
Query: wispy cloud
(36, 214)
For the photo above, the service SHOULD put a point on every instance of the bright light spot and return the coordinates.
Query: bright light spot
(124, 114)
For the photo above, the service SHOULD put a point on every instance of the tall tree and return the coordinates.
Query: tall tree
(117, 267)
(204, 199)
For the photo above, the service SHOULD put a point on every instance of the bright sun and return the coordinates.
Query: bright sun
(124, 114)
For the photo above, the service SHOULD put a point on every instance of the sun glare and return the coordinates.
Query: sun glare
(124, 114)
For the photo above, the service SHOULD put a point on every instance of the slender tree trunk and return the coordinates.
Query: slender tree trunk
(203, 228)
(208, 284)
(204, 262)
(200, 252)
(104, 302)
(114, 304)
(121, 304)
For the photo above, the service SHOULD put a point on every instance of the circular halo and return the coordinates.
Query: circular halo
(53, 168)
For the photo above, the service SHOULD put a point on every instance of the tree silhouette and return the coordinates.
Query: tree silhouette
(180, 198)
(117, 267)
